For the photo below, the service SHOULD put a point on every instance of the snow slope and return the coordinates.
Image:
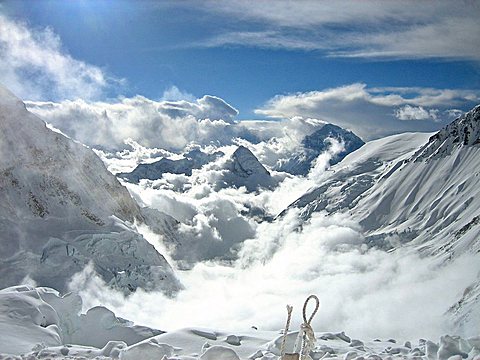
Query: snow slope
(344, 184)
(61, 209)
(414, 187)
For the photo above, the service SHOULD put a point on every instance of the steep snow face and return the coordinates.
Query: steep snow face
(60, 209)
(315, 144)
(464, 131)
(194, 159)
(38, 163)
(433, 196)
(244, 169)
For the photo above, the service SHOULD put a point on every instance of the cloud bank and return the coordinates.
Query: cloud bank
(34, 65)
(173, 124)
(165, 124)
(170, 125)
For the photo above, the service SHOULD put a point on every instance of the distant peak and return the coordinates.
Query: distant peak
(242, 150)
(246, 163)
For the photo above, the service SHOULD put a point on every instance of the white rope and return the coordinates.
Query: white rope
(285, 332)
(305, 341)
(307, 337)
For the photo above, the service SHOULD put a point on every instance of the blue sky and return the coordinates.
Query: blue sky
(248, 52)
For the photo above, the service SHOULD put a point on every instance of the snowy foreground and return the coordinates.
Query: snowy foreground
(38, 323)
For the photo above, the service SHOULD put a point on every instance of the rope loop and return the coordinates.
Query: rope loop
(317, 305)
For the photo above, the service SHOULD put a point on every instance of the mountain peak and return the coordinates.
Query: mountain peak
(244, 169)
(245, 163)
(317, 139)
(318, 142)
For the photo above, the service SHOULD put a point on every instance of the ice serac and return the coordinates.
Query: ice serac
(315, 144)
(244, 169)
(60, 210)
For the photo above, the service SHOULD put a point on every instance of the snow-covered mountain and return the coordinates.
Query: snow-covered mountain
(194, 159)
(417, 190)
(61, 209)
(244, 169)
(412, 186)
(315, 144)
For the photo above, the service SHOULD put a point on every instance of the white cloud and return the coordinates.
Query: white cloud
(407, 29)
(416, 113)
(282, 262)
(170, 125)
(454, 113)
(372, 112)
(262, 39)
(207, 107)
(34, 65)
(173, 93)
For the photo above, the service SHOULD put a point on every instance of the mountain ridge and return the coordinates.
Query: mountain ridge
(62, 210)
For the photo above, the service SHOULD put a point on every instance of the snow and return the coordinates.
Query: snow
(33, 317)
(417, 190)
(344, 184)
(62, 210)
(37, 323)
(391, 189)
